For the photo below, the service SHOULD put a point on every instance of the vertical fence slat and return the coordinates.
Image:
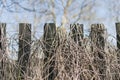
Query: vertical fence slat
(116, 71)
(116, 76)
(97, 46)
(2, 49)
(49, 40)
(118, 39)
(118, 34)
(24, 47)
(77, 33)
(97, 36)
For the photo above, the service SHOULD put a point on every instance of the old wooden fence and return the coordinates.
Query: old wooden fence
(50, 31)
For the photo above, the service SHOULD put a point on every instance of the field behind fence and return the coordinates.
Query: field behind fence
(61, 55)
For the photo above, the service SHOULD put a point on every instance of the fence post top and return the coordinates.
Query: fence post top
(74, 24)
(49, 23)
(117, 23)
(97, 26)
(24, 23)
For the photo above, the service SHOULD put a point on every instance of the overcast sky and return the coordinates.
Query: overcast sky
(101, 9)
(12, 19)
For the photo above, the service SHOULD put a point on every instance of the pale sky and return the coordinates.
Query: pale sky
(12, 19)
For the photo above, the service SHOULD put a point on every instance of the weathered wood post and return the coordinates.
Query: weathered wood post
(118, 37)
(24, 48)
(49, 51)
(2, 50)
(77, 33)
(97, 47)
(116, 76)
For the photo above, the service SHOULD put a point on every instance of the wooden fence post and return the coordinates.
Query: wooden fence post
(49, 51)
(97, 36)
(24, 48)
(118, 39)
(77, 33)
(97, 46)
(2, 50)
(116, 76)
